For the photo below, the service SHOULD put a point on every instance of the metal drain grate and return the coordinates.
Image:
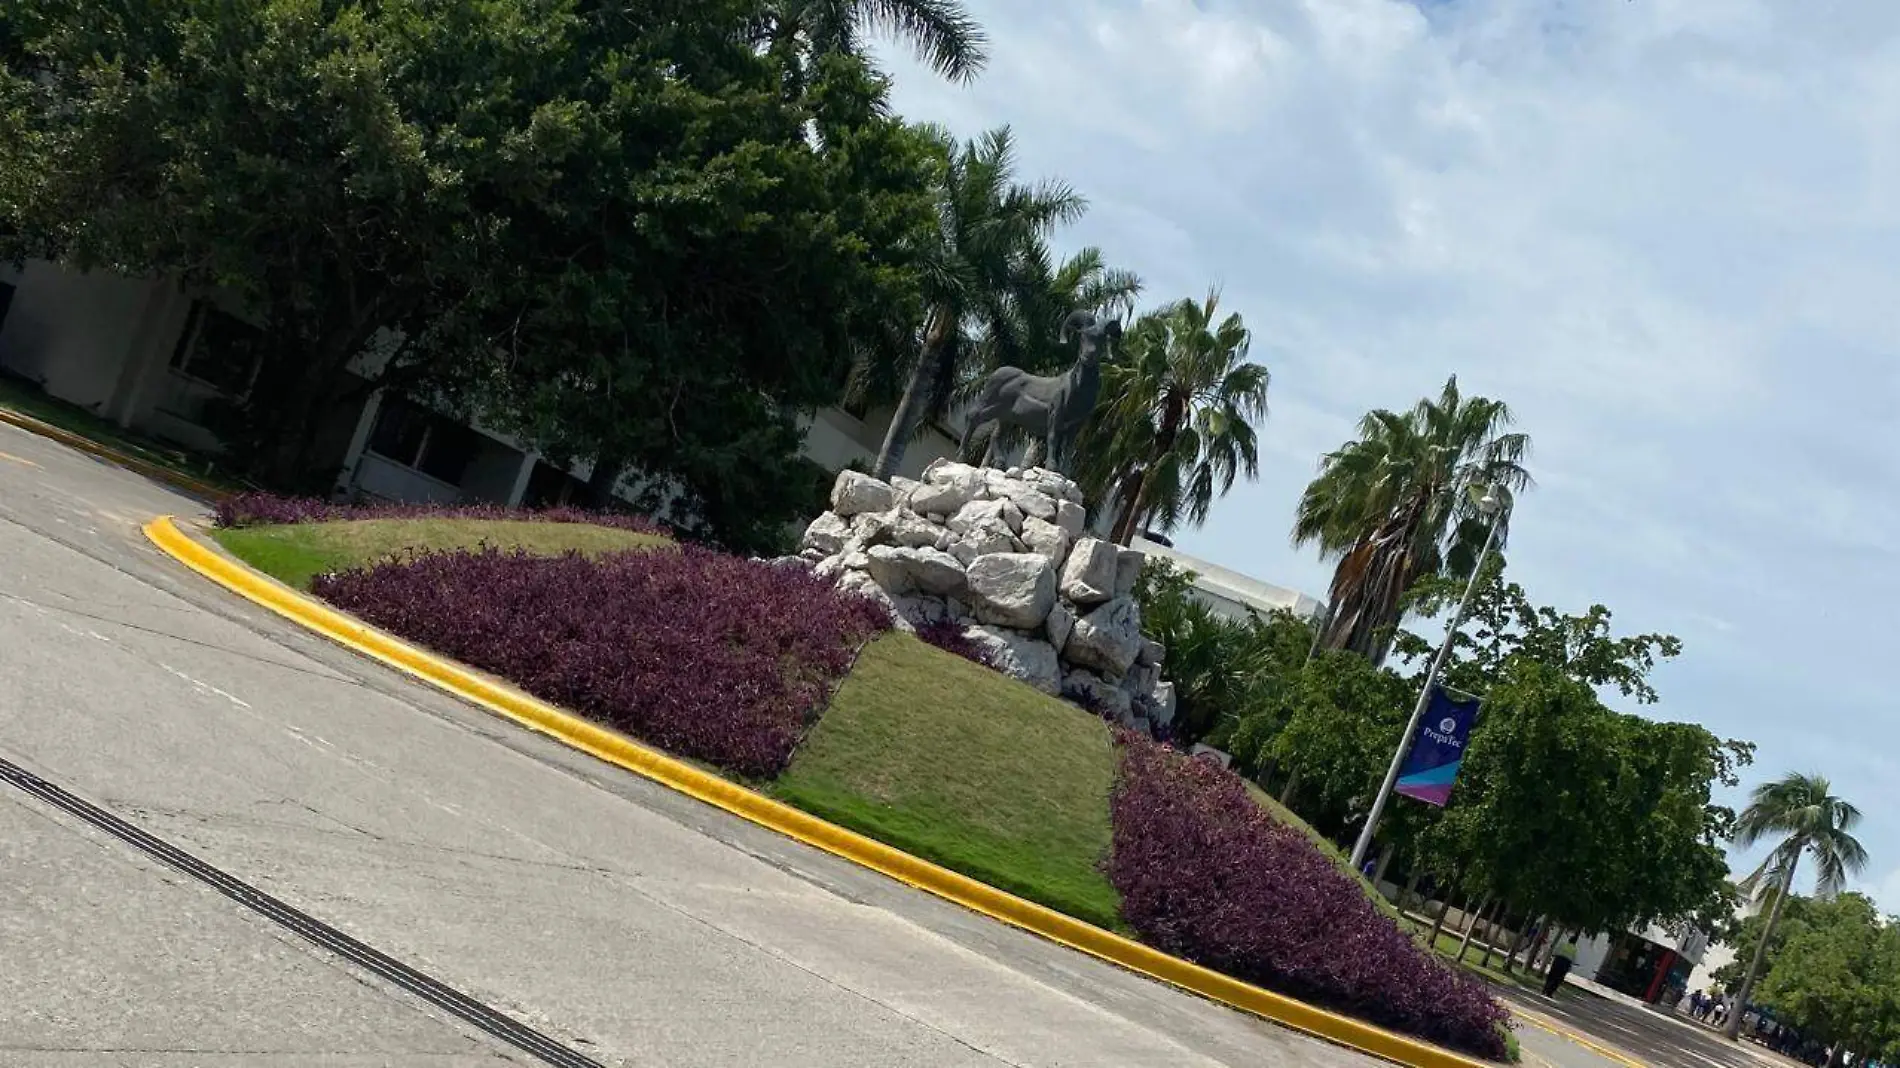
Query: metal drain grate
(489, 1020)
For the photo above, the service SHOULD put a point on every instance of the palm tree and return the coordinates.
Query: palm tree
(1178, 425)
(990, 229)
(1394, 505)
(941, 32)
(1801, 811)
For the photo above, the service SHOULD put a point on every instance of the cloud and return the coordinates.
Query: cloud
(1663, 230)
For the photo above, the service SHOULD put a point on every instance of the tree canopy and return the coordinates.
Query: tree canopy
(1398, 503)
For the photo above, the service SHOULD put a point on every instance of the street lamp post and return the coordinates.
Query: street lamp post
(1490, 505)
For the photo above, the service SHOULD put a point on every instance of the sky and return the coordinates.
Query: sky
(1662, 230)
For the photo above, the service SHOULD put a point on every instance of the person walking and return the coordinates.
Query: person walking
(1561, 959)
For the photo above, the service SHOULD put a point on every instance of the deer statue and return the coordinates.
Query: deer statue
(1052, 409)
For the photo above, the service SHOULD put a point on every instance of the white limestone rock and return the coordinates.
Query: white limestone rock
(1058, 626)
(1160, 704)
(1107, 638)
(900, 569)
(855, 493)
(1012, 589)
(864, 585)
(827, 533)
(1042, 536)
(1088, 577)
(1071, 518)
(1096, 694)
(1020, 656)
(977, 515)
(911, 530)
(1153, 653)
(1128, 570)
(946, 488)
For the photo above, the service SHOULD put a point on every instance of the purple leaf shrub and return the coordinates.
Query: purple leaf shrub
(705, 655)
(1205, 873)
(947, 635)
(268, 509)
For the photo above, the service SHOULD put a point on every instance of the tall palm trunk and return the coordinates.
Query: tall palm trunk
(909, 407)
(1734, 1025)
(1128, 524)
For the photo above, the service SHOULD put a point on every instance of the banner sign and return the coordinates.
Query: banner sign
(1438, 749)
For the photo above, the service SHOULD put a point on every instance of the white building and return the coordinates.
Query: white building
(1230, 593)
(151, 358)
(1654, 964)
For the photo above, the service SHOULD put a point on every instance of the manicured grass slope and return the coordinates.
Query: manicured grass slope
(296, 553)
(956, 763)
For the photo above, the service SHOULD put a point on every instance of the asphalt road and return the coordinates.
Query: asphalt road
(1647, 1035)
(625, 923)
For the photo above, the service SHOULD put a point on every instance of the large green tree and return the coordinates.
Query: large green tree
(1175, 427)
(612, 230)
(333, 168)
(1837, 979)
(670, 322)
(1625, 804)
(1801, 816)
(1395, 505)
(988, 236)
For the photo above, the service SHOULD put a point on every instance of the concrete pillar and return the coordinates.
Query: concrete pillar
(165, 315)
(345, 487)
(520, 490)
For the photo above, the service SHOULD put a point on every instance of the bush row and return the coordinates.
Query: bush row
(1205, 873)
(269, 509)
(705, 655)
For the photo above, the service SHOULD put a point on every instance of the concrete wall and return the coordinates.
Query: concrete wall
(74, 332)
(389, 480)
(494, 472)
(834, 438)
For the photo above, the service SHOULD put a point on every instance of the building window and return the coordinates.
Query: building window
(220, 350)
(413, 436)
(6, 301)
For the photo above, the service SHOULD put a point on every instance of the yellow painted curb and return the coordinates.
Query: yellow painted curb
(158, 472)
(616, 749)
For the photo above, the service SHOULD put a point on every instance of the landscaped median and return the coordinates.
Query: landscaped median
(800, 692)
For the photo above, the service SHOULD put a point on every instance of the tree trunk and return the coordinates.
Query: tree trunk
(1444, 910)
(1471, 926)
(1527, 944)
(1385, 859)
(1491, 933)
(1129, 523)
(1292, 784)
(1411, 887)
(1124, 530)
(1733, 1027)
(909, 407)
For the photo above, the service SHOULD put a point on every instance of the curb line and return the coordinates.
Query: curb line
(157, 472)
(613, 748)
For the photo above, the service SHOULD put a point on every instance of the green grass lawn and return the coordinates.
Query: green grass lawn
(296, 553)
(958, 764)
(27, 399)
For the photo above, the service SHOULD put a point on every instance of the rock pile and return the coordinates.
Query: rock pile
(1003, 556)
